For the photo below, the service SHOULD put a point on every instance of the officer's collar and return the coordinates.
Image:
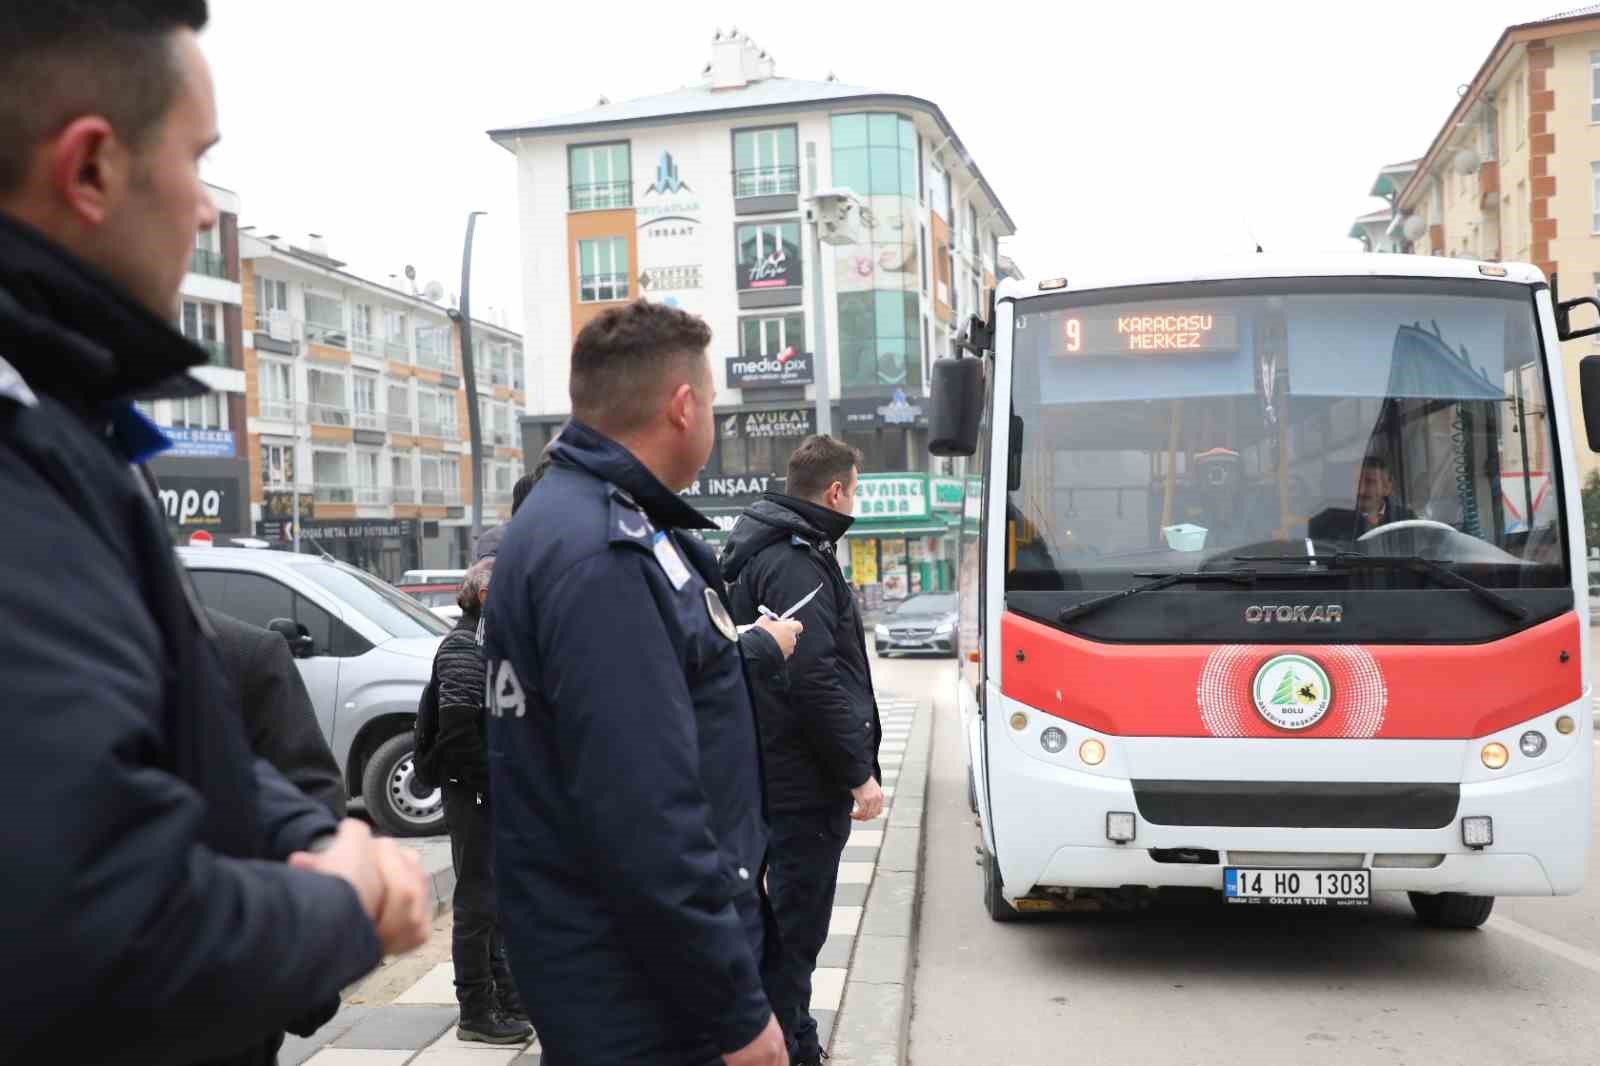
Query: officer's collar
(609, 461)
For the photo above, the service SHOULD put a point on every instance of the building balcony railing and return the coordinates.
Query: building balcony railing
(211, 264)
(327, 414)
(371, 495)
(398, 350)
(599, 288)
(601, 196)
(436, 360)
(400, 423)
(442, 497)
(329, 492)
(403, 493)
(331, 336)
(766, 181)
(499, 375)
(368, 420)
(426, 428)
(364, 345)
(216, 351)
(282, 410)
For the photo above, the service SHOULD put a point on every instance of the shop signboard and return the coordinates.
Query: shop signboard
(785, 369)
(863, 561)
(193, 503)
(897, 496)
(199, 443)
(895, 411)
(949, 494)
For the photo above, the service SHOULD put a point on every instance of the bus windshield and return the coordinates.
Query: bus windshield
(1178, 427)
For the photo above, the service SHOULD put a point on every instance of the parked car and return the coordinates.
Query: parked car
(432, 577)
(925, 622)
(365, 652)
(440, 598)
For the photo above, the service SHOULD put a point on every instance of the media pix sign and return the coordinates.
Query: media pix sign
(789, 367)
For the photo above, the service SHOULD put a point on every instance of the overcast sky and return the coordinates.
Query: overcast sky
(1112, 133)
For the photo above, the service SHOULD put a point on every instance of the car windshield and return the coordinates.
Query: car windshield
(396, 614)
(928, 603)
(1176, 427)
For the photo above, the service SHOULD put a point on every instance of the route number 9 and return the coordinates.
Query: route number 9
(1074, 329)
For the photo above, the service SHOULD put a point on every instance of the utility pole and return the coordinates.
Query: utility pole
(819, 334)
(470, 377)
(294, 451)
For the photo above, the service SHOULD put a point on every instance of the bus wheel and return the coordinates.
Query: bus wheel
(999, 909)
(1451, 910)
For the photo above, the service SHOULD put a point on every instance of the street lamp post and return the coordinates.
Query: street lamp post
(470, 377)
(828, 211)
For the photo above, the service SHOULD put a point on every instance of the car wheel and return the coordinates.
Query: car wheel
(389, 787)
(1451, 910)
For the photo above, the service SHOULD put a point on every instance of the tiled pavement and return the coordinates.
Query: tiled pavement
(418, 1028)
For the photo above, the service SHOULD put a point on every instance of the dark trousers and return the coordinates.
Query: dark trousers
(802, 874)
(476, 946)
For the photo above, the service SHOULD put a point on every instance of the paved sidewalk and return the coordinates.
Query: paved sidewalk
(419, 1026)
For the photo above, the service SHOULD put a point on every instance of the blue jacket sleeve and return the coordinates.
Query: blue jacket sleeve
(626, 729)
(291, 819)
(114, 909)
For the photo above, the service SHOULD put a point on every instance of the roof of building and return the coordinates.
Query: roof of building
(767, 94)
(1577, 12)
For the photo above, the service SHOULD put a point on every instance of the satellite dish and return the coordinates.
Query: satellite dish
(1466, 161)
(1414, 227)
(433, 291)
(411, 272)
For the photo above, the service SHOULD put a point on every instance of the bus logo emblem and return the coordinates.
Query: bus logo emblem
(1292, 692)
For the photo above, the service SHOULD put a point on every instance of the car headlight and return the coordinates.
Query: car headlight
(945, 629)
(881, 632)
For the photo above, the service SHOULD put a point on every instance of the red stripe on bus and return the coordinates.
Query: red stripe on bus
(1397, 692)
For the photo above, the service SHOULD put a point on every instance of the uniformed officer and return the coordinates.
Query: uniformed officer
(629, 833)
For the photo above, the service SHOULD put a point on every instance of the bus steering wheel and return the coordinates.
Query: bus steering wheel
(1405, 523)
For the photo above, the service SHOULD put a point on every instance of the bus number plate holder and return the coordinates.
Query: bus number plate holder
(1297, 888)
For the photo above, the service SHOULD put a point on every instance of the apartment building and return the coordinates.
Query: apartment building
(357, 412)
(1514, 171)
(204, 477)
(696, 197)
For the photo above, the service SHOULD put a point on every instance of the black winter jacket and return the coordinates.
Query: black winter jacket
(148, 913)
(820, 732)
(462, 752)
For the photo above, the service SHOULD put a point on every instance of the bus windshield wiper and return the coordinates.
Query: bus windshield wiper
(1352, 561)
(1162, 581)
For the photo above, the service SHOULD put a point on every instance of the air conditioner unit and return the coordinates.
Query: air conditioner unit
(280, 326)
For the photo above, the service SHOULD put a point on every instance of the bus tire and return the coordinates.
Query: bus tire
(999, 909)
(1451, 910)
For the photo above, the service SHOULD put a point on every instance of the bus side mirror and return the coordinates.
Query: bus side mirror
(1589, 384)
(957, 407)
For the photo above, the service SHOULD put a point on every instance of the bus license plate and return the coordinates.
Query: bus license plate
(1298, 888)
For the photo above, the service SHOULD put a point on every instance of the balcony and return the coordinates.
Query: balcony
(216, 352)
(397, 349)
(442, 497)
(766, 181)
(600, 197)
(282, 410)
(331, 493)
(327, 414)
(211, 264)
(371, 495)
(429, 428)
(330, 336)
(400, 422)
(602, 288)
(434, 360)
(403, 494)
(369, 420)
(364, 345)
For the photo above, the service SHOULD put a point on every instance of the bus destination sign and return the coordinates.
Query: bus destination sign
(1149, 332)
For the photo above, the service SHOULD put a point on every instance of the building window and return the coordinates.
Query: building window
(270, 296)
(1594, 185)
(766, 162)
(771, 335)
(433, 347)
(1519, 96)
(330, 477)
(326, 401)
(603, 270)
(277, 465)
(400, 409)
(769, 255)
(369, 488)
(922, 255)
(207, 256)
(200, 324)
(395, 345)
(517, 371)
(401, 464)
(927, 365)
(325, 320)
(361, 338)
(880, 339)
(276, 382)
(200, 412)
(364, 394)
(939, 191)
(972, 230)
(875, 154)
(600, 177)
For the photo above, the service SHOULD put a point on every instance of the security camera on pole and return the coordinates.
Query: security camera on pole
(829, 211)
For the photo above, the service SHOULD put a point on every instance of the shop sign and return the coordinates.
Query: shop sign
(668, 207)
(200, 443)
(789, 422)
(790, 367)
(949, 494)
(892, 496)
(898, 410)
(769, 256)
(355, 529)
(192, 503)
(723, 487)
(670, 278)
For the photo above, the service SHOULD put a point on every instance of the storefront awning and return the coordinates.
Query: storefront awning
(932, 526)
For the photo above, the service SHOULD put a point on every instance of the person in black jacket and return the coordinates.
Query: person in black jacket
(623, 757)
(280, 723)
(491, 1011)
(164, 904)
(820, 731)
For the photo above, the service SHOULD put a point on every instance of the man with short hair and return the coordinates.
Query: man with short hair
(170, 899)
(623, 758)
(819, 726)
(1375, 504)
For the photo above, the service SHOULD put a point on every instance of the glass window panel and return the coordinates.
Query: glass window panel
(621, 164)
(908, 173)
(850, 169)
(885, 171)
(883, 130)
(582, 171)
(908, 135)
(788, 152)
(744, 150)
(849, 131)
(750, 337)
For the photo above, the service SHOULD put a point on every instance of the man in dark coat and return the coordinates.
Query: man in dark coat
(623, 756)
(820, 730)
(279, 720)
(151, 915)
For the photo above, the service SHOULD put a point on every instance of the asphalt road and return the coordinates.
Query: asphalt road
(1208, 985)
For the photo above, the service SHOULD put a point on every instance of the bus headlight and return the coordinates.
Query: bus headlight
(1495, 756)
(1092, 752)
(1565, 725)
(1019, 721)
(1532, 743)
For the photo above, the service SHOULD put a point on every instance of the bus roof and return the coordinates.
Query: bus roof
(1326, 265)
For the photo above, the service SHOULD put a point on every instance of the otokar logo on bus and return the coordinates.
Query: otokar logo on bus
(1292, 692)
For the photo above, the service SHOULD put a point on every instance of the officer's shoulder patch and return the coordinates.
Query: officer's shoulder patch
(628, 524)
(797, 541)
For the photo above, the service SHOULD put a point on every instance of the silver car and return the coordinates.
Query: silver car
(365, 652)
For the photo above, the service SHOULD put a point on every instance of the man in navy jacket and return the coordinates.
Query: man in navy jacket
(623, 752)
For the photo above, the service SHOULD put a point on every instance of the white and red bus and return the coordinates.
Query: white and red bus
(1273, 583)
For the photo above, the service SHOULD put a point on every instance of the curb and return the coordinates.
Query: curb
(441, 871)
(874, 1019)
